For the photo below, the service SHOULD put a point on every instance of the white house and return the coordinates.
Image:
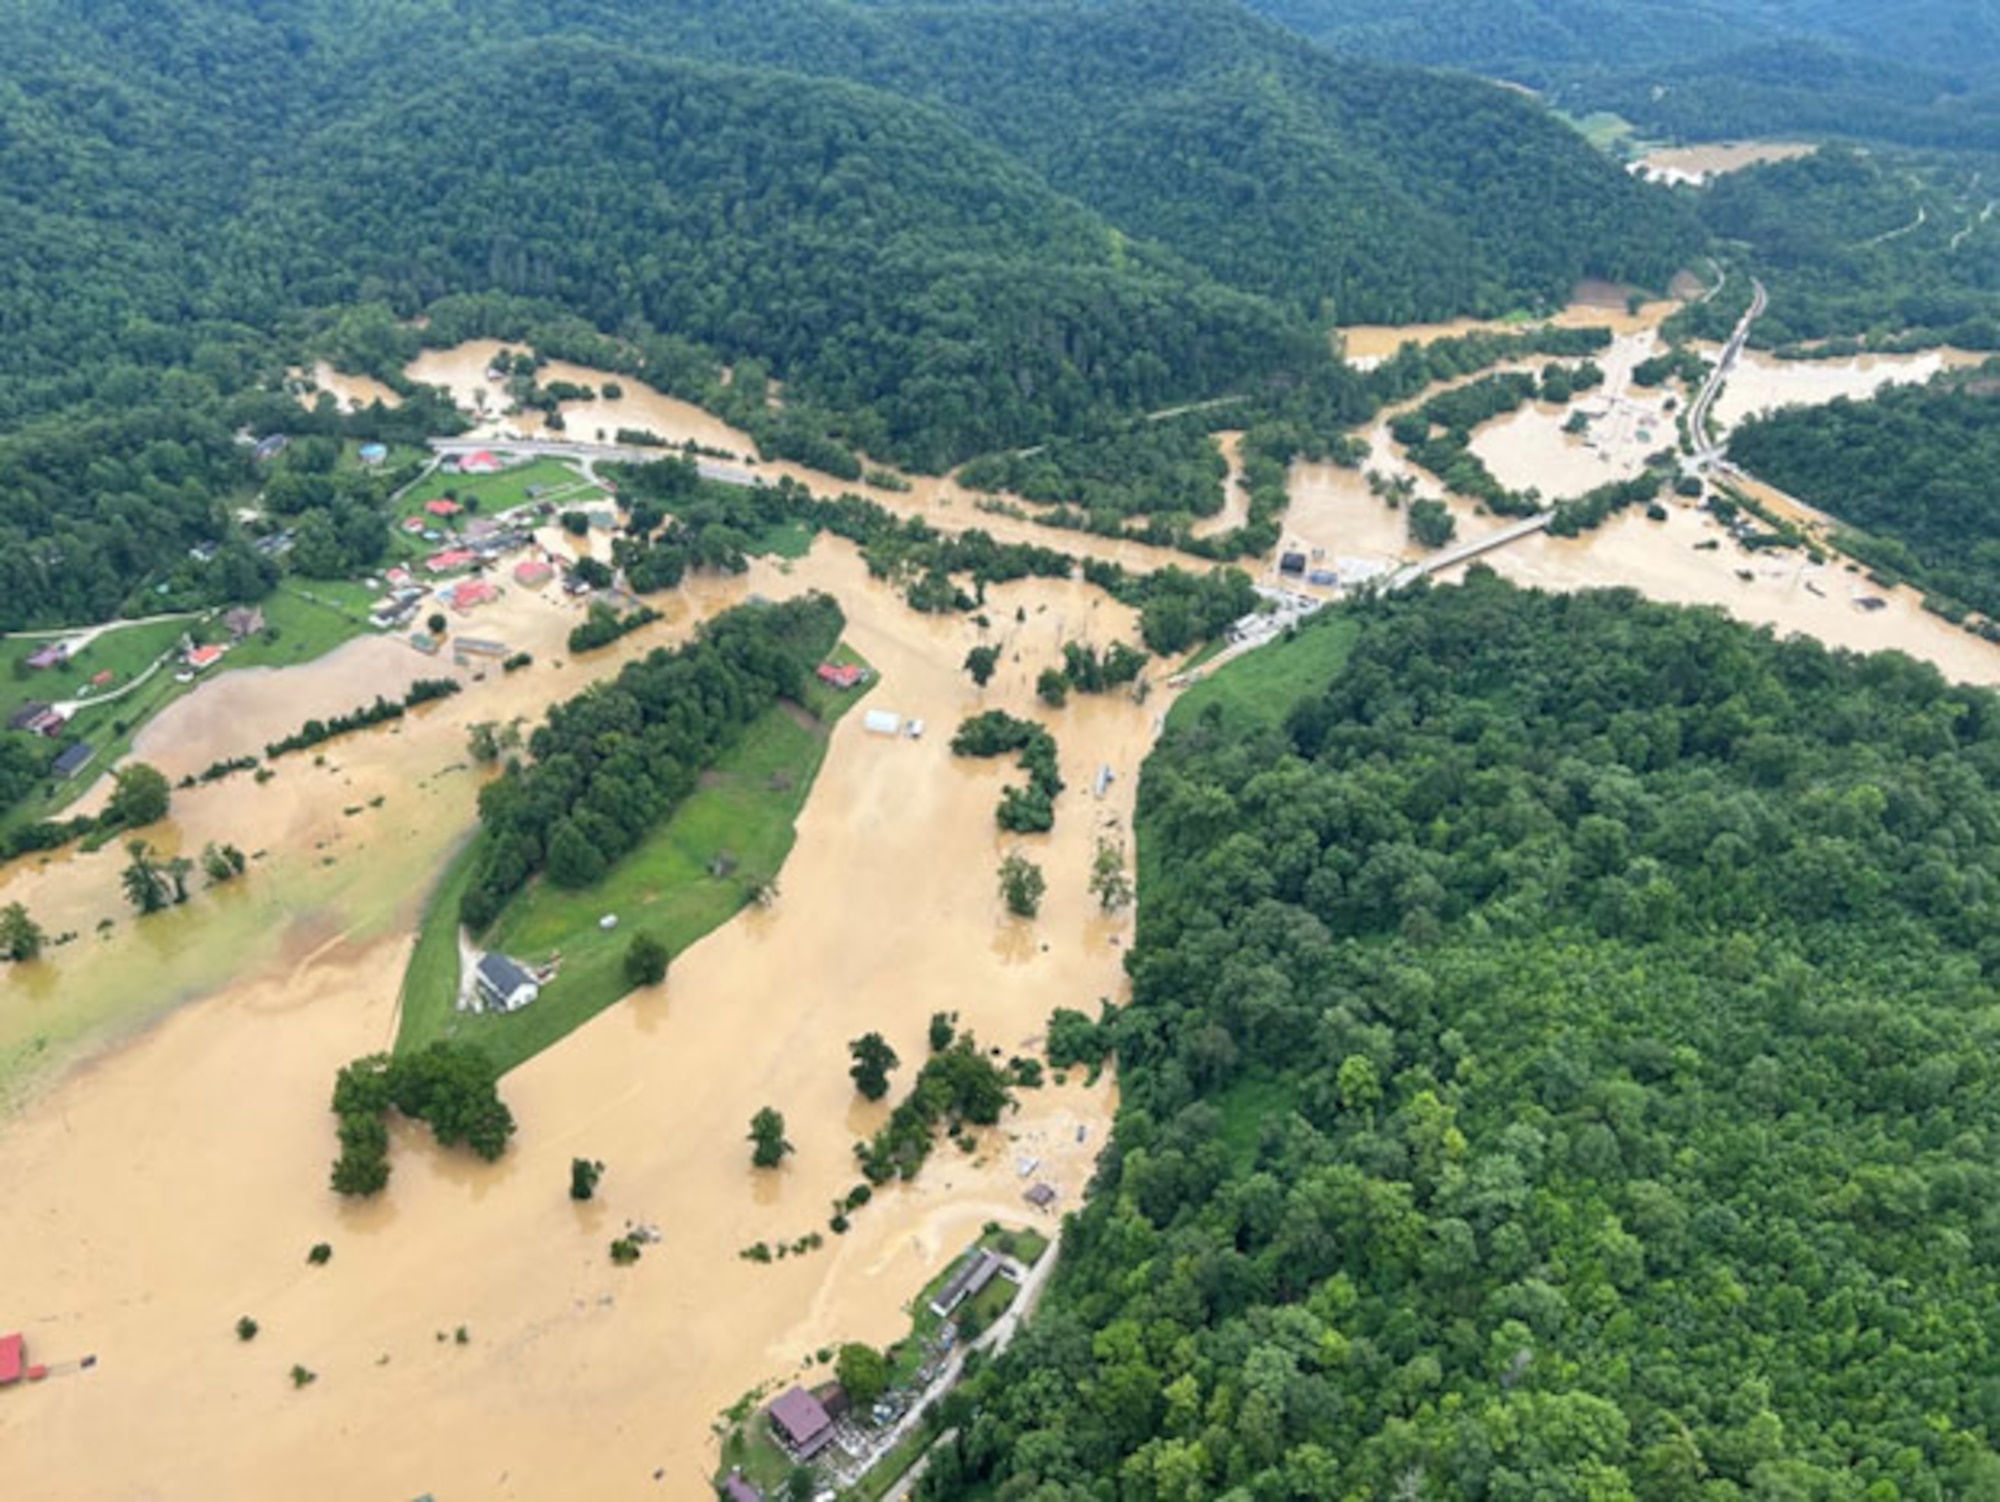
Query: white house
(504, 986)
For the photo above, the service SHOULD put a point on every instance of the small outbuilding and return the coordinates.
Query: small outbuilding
(974, 1271)
(373, 453)
(13, 1359)
(505, 985)
(738, 1488)
(1041, 1196)
(72, 760)
(882, 722)
(801, 1423)
(244, 620)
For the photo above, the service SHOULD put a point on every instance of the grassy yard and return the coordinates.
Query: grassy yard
(1023, 1243)
(1259, 688)
(565, 485)
(124, 653)
(751, 1449)
(744, 810)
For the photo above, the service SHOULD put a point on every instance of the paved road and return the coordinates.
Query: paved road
(1033, 1286)
(1708, 454)
(85, 635)
(591, 454)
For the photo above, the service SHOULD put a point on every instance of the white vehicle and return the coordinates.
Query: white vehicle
(916, 729)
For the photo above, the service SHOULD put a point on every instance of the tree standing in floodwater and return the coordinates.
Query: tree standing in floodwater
(767, 1132)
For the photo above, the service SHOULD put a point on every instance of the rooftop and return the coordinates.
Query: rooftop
(803, 1419)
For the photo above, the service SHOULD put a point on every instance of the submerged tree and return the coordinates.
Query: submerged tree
(145, 887)
(980, 663)
(873, 1059)
(1109, 883)
(583, 1176)
(767, 1133)
(1022, 885)
(21, 937)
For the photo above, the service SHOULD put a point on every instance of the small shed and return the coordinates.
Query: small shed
(882, 722)
(373, 453)
(801, 1423)
(72, 760)
(1292, 563)
(1041, 1196)
(13, 1359)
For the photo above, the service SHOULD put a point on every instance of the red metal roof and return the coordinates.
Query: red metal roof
(443, 507)
(13, 1355)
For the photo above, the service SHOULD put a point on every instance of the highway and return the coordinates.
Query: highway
(1707, 454)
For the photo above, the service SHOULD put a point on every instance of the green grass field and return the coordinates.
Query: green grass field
(125, 653)
(1259, 688)
(506, 490)
(745, 810)
(303, 621)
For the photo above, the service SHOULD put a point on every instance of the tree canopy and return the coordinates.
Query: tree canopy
(1559, 1064)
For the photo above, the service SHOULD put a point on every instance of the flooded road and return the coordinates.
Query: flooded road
(176, 1183)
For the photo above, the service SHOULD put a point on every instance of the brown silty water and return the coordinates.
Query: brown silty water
(175, 1183)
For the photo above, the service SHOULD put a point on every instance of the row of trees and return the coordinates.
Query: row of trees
(450, 1085)
(608, 765)
(1022, 810)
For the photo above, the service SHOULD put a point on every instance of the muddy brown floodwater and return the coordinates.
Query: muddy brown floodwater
(176, 1182)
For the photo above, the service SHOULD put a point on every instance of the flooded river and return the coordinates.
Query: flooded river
(176, 1183)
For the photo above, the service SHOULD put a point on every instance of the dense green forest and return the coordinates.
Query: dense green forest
(1915, 472)
(1921, 72)
(1559, 1065)
(946, 230)
(1863, 249)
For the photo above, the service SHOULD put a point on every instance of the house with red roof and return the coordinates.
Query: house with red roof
(202, 658)
(443, 507)
(473, 592)
(449, 559)
(841, 674)
(481, 462)
(13, 1359)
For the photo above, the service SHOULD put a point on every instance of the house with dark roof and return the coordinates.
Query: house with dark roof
(504, 985)
(26, 715)
(974, 1271)
(1041, 1196)
(801, 1423)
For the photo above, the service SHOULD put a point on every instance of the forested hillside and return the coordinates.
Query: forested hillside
(1923, 72)
(1859, 246)
(945, 230)
(1916, 471)
(1560, 1064)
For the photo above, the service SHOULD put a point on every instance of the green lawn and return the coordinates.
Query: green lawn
(1259, 688)
(1023, 1243)
(125, 653)
(506, 490)
(746, 809)
(785, 540)
(751, 1448)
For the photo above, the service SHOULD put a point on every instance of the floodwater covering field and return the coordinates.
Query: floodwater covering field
(175, 1182)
